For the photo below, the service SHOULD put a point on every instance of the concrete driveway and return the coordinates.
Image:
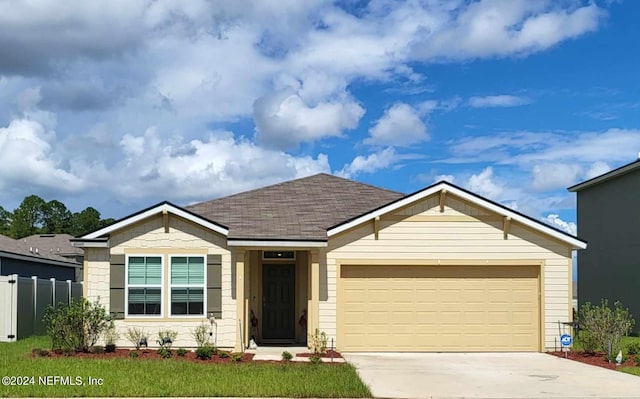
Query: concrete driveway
(488, 375)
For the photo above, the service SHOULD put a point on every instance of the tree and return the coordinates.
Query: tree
(85, 221)
(56, 218)
(5, 221)
(27, 218)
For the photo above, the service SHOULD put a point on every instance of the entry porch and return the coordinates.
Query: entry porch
(277, 294)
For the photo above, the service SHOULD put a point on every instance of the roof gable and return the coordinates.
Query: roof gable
(152, 211)
(464, 194)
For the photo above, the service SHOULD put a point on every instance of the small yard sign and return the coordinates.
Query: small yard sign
(566, 340)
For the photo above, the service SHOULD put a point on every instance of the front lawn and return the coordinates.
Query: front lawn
(170, 377)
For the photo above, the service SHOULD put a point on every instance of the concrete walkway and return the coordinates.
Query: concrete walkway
(488, 375)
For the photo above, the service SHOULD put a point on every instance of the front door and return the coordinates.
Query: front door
(278, 302)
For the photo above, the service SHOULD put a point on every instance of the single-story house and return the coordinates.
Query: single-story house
(39, 256)
(441, 269)
(608, 218)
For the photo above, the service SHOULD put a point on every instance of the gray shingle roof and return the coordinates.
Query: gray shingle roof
(301, 209)
(56, 243)
(43, 253)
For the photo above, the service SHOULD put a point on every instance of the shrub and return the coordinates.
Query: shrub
(607, 326)
(201, 335)
(205, 352)
(136, 336)
(166, 338)
(315, 359)
(76, 326)
(223, 354)
(134, 354)
(38, 352)
(181, 352)
(589, 343)
(287, 356)
(110, 337)
(236, 357)
(164, 352)
(633, 348)
(318, 342)
(97, 349)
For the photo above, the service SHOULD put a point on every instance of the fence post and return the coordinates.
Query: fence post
(14, 309)
(69, 292)
(53, 292)
(34, 280)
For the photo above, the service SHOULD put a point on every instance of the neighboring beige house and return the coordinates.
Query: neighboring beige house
(441, 269)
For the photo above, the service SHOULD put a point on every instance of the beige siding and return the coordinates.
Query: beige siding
(149, 236)
(477, 239)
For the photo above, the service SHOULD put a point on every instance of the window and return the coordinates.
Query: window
(144, 285)
(187, 285)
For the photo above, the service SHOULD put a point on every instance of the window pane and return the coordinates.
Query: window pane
(196, 270)
(154, 270)
(153, 301)
(179, 270)
(144, 301)
(136, 270)
(187, 301)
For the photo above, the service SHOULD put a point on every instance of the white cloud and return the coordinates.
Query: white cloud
(27, 158)
(596, 169)
(369, 163)
(399, 126)
(447, 178)
(555, 221)
(484, 185)
(551, 176)
(490, 28)
(284, 120)
(502, 100)
(202, 169)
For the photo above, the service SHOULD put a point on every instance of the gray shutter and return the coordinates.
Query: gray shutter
(116, 287)
(214, 286)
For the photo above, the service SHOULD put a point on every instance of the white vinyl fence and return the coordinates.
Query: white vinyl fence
(23, 301)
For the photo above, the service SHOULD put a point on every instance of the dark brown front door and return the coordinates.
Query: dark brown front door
(278, 302)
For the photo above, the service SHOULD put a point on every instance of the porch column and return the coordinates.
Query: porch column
(313, 315)
(242, 300)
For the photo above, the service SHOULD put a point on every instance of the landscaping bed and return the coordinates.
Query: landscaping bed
(327, 354)
(595, 359)
(152, 354)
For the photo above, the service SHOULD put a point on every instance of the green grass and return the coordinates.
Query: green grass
(173, 377)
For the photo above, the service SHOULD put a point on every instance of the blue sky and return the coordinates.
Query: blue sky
(124, 104)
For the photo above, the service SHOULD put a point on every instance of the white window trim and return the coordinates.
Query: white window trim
(126, 287)
(204, 288)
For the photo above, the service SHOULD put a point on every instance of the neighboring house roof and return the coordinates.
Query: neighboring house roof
(469, 196)
(296, 210)
(607, 176)
(59, 244)
(19, 249)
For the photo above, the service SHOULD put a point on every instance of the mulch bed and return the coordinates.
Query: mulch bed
(151, 354)
(595, 359)
(327, 354)
(145, 354)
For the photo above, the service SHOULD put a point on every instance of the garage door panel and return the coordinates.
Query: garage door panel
(438, 308)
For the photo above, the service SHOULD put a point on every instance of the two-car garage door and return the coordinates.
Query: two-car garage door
(438, 308)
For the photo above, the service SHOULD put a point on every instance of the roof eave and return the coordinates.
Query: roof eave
(606, 177)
